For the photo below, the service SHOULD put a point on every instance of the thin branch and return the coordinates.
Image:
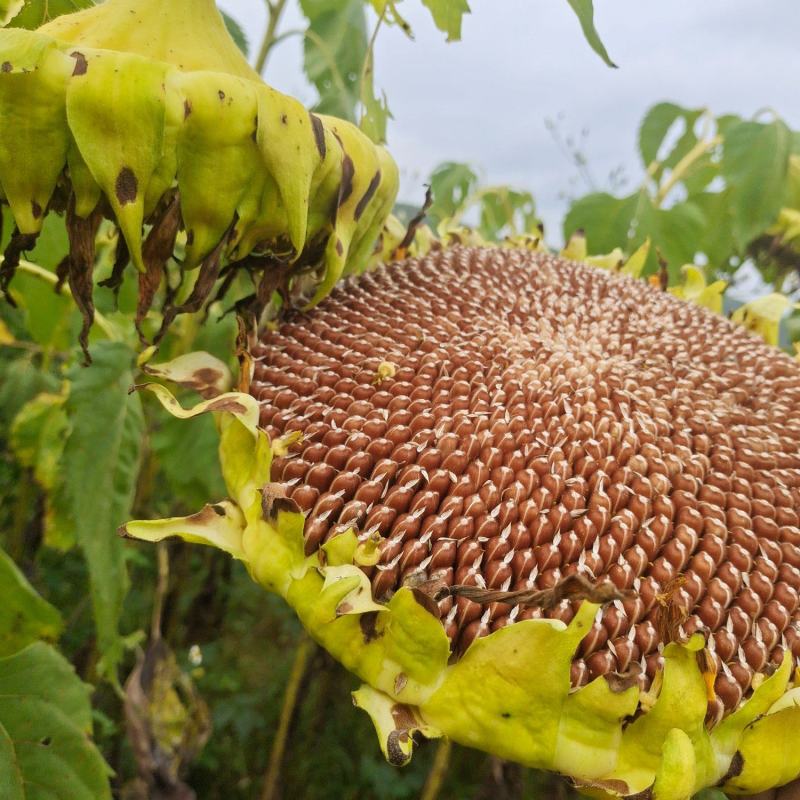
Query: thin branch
(305, 650)
(162, 585)
(683, 166)
(435, 779)
(50, 277)
(275, 10)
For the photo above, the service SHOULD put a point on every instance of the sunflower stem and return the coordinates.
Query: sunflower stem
(305, 650)
(435, 779)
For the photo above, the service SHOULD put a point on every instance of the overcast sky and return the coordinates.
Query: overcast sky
(485, 99)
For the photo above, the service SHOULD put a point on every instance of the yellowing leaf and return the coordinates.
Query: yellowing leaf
(6, 337)
(635, 264)
(763, 316)
(447, 14)
(576, 246)
(696, 290)
(612, 260)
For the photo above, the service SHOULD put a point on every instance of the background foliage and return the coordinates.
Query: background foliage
(80, 455)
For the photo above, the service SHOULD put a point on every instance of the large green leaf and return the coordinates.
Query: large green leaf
(676, 232)
(376, 114)
(11, 781)
(606, 220)
(717, 240)
(101, 465)
(755, 164)
(451, 185)
(36, 12)
(657, 123)
(505, 211)
(236, 31)
(626, 222)
(24, 615)
(186, 452)
(447, 15)
(20, 381)
(584, 9)
(335, 50)
(45, 725)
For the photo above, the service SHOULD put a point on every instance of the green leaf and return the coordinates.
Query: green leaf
(237, 32)
(606, 220)
(36, 12)
(335, 49)
(716, 240)
(655, 125)
(101, 465)
(45, 723)
(447, 16)
(186, 452)
(20, 381)
(25, 616)
(675, 232)
(584, 10)
(451, 185)
(376, 114)
(505, 211)
(755, 164)
(38, 435)
(8, 10)
(10, 777)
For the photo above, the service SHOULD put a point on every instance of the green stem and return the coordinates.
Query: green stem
(270, 36)
(368, 65)
(435, 779)
(683, 166)
(305, 650)
(50, 277)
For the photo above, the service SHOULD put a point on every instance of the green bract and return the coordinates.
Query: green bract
(509, 693)
(146, 113)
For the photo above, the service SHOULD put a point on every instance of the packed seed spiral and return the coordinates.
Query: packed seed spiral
(506, 419)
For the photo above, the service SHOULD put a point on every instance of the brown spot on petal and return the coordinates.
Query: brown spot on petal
(81, 64)
(319, 134)
(126, 187)
(368, 195)
(274, 499)
(346, 186)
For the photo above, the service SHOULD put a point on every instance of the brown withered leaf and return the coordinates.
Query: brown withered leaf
(18, 244)
(275, 499)
(82, 233)
(573, 587)
(401, 250)
(671, 613)
(156, 251)
(167, 722)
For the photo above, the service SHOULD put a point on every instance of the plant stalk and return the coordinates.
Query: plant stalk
(275, 10)
(49, 277)
(683, 166)
(435, 779)
(305, 650)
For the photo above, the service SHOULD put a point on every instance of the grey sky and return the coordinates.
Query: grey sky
(484, 100)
